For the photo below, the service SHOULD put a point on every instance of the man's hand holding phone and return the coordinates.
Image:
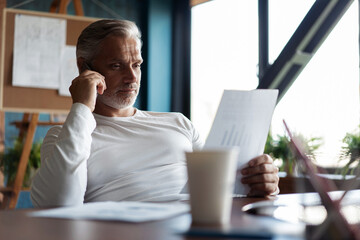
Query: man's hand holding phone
(86, 86)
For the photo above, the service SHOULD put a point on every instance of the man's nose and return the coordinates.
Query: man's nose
(131, 75)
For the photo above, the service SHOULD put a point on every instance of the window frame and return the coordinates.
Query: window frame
(301, 47)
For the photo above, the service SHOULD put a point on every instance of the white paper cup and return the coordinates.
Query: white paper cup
(211, 176)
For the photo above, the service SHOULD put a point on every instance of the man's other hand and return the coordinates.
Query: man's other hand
(261, 175)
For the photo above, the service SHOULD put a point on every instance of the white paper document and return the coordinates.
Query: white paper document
(243, 120)
(68, 69)
(117, 211)
(38, 43)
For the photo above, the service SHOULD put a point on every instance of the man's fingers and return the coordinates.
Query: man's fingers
(90, 76)
(260, 160)
(264, 168)
(261, 178)
(86, 86)
(90, 72)
(261, 175)
(101, 86)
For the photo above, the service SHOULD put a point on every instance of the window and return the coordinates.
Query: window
(224, 55)
(322, 102)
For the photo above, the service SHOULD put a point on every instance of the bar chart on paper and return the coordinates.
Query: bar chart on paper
(243, 120)
(234, 136)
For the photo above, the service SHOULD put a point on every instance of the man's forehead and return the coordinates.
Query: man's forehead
(114, 45)
(130, 47)
(123, 58)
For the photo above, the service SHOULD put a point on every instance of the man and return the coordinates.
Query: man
(109, 150)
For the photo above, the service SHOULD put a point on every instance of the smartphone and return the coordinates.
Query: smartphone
(86, 66)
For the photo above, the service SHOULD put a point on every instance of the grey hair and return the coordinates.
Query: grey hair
(91, 37)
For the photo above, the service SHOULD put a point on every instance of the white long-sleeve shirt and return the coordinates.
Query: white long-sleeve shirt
(96, 158)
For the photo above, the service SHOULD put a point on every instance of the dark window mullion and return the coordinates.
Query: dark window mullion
(300, 48)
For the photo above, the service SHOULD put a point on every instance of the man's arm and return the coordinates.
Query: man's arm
(62, 177)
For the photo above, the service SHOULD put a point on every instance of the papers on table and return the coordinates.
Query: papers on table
(41, 57)
(243, 120)
(117, 211)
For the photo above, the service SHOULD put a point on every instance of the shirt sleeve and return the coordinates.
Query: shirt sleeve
(197, 140)
(62, 177)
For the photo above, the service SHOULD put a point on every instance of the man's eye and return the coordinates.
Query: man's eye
(137, 65)
(116, 66)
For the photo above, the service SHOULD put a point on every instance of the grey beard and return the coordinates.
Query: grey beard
(117, 103)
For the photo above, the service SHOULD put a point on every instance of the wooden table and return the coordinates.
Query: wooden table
(15, 224)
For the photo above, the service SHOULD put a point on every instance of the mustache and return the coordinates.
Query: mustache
(129, 86)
